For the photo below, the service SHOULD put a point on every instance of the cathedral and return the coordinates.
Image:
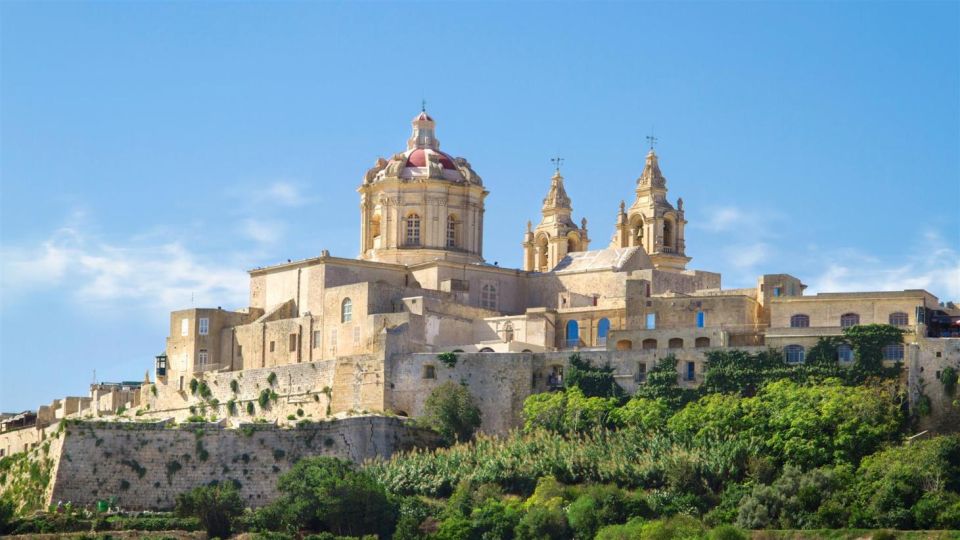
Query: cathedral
(338, 336)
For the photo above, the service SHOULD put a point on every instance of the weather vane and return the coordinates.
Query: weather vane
(557, 162)
(652, 140)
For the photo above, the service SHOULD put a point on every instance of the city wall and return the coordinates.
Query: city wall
(146, 465)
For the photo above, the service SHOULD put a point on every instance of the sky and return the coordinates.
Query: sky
(153, 152)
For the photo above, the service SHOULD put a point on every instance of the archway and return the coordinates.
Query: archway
(624, 345)
(649, 344)
(542, 253)
(573, 334)
(603, 329)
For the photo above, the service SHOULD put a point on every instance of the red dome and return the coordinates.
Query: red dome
(418, 158)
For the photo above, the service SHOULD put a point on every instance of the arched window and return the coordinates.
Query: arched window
(636, 231)
(573, 243)
(413, 230)
(624, 345)
(573, 334)
(793, 354)
(894, 351)
(844, 353)
(488, 296)
(701, 342)
(603, 329)
(542, 253)
(668, 235)
(346, 310)
(375, 226)
(451, 232)
(849, 319)
(675, 343)
(649, 344)
(899, 319)
(799, 321)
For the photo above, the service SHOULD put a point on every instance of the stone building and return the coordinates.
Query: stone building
(331, 336)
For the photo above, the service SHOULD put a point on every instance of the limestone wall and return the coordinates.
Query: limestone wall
(147, 465)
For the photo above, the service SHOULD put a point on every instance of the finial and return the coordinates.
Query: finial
(557, 162)
(423, 105)
(622, 205)
(529, 226)
(583, 224)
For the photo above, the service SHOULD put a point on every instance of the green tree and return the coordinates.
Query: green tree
(214, 506)
(909, 486)
(592, 381)
(451, 411)
(642, 413)
(330, 494)
(662, 385)
(867, 342)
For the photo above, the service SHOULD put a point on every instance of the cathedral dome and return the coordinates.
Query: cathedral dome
(423, 159)
(420, 156)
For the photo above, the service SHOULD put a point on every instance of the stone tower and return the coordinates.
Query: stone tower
(421, 204)
(652, 222)
(556, 234)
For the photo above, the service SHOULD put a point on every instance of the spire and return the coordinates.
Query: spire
(651, 175)
(557, 196)
(423, 131)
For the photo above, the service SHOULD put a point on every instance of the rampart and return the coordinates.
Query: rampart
(146, 465)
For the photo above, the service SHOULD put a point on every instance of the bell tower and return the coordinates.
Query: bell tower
(556, 234)
(652, 222)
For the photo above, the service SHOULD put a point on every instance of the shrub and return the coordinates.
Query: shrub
(193, 386)
(451, 411)
(630, 530)
(7, 511)
(948, 377)
(543, 523)
(329, 494)
(250, 408)
(272, 378)
(449, 359)
(214, 505)
(592, 381)
(726, 532)
(596, 507)
(234, 386)
(204, 390)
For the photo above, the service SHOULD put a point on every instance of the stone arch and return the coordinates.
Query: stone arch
(636, 230)
(649, 344)
(624, 345)
(542, 244)
(669, 233)
(675, 343)
(701, 342)
(572, 333)
(573, 242)
(486, 350)
(603, 330)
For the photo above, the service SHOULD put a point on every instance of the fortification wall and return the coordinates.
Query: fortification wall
(314, 391)
(147, 465)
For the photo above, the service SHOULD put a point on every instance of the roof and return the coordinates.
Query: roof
(614, 259)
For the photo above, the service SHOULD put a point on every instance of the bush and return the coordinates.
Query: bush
(596, 507)
(543, 522)
(450, 410)
(592, 381)
(630, 530)
(329, 494)
(7, 511)
(726, 532)
(215, 506)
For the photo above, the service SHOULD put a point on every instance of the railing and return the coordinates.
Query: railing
(572, 342)
(667, 249)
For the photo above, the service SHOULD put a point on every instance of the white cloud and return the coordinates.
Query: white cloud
(163, 276)
(723, 219)
(262, 231)
(279, 193)
(748, 255)
(933, 266)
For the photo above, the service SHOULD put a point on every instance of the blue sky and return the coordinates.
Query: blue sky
(152, 152)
